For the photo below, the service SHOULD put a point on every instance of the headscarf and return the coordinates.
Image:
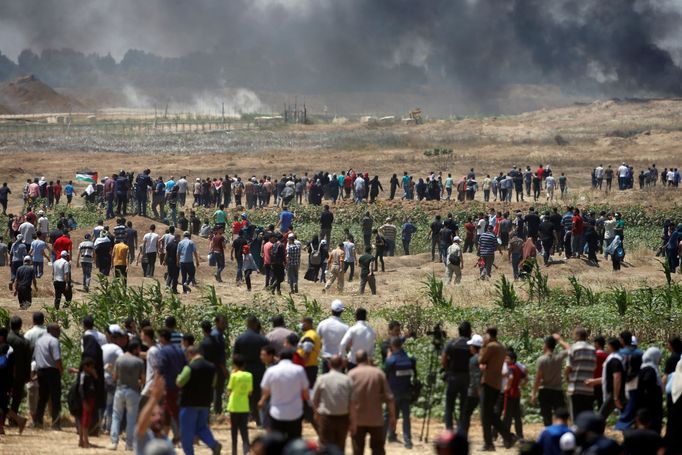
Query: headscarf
(652, 358)
(677, 383)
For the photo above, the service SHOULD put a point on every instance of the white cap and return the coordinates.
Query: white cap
(64, 253)
(115, 328)
(20, 237)
(567, 441)
(634, 340)
(456, 239)
(40, 212)
(476, 340)
(291, 236)
(27, 258)
(337, 306)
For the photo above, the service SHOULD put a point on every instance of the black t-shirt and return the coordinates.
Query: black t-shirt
(238, 245)
(326, 220)
(555, 218)
(435, 228)
(533, 222)
(642, 442)
(458, 355)
(671, 363)
(209, 350)
(614, 366)
(451, 224)
(4, 191)
(171, 251)
(546, 230)
(25, 276)
(445, 236)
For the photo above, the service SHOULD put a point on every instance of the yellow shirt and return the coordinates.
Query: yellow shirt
(120, 254)
(317, 346)
(240, 386)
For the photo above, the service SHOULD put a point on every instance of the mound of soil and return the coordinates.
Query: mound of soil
(29, 95)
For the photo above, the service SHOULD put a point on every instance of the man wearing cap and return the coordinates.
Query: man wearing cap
(331, 331)
(455, 260)
(187, 251)
(61, 279)
(22, 285)
(474, 390)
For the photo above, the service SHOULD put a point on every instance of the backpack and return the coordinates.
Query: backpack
(277, 253)
(455, 259)
(316, 256)
(73, 399)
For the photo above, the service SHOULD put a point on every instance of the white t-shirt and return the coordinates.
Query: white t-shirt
(359, 337)
(285, 381)
(43, 224)
(480, 228)
(152, 366)
(60, 268)
(331, 330)
(599, 172)
(27, 230)
(110, 353)
(150, 242)
(550, 182)
(623, 171)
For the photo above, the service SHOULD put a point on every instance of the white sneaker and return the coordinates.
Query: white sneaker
(112, 446)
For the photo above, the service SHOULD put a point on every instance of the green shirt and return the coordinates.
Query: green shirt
(240, 386)
(220, 217)
(365, 262)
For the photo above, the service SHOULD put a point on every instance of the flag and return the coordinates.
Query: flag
(87, 176)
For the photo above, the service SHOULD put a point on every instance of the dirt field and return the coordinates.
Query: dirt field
(608, 133)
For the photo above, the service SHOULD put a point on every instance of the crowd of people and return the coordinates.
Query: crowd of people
(159, 386)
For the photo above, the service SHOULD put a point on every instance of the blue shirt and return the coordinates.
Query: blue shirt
(186, 250)
(68, 189)
(169, 185)
(549, 439)
(400, 369)
(171, 362)
(219, 340)
(406, 181)
(408, 230)
(286, 217)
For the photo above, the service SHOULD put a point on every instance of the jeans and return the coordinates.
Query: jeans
(326, 234)
(239, 425)
(443, 250)
(489, 419)
(141, 205)
(219, 263)
(434, 242)
(49, 387)
(187, 270)
(390, 247)
(110, 206)
(516, 261)
(125, 400)
(547, 249)
(148, 269)
(489, 261)
(87, 273)
(14, 266)
(194, 423)
(109, 407)
(172, 277)
(240, 268)
(292, 277)
(402, 407)
(550, 400)
(406, 247)
(278, 277)
(577, 244)
(457, 387)
(38, 268)
(512, 411)
(346, 265)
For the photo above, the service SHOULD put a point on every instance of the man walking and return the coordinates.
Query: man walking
(25, 276)
(582, 361)
(61, 279)
(326, 224)
(86, 256)
(48, 357)
(334, 401)
(293, 262)
(455, 261)
(360, 336)
(400, 370)
(331, 331)
(335, 263)
(186, 254)
(129, 376)
(148, 251)
(366, 273)
(455, 362)
(371, 391)
(487, 246)
(119, 256)
(171, 361)
(248, 345)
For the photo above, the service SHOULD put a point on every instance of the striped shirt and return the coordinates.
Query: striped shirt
(487, 244)
(293, 255)
(582, 360)
(389, 231)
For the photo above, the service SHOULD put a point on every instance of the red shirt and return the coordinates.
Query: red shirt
(470, 230)
(540, 173)
(57, 189)
(601, 358)
(236, 227)
(347, 180)
(63, 243)
(578, 227)
(515, 376)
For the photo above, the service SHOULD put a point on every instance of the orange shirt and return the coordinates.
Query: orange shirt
(120, 254)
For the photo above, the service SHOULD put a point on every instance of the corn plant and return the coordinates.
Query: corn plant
(433, 287)
(506, 294)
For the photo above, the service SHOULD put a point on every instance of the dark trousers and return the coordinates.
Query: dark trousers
(550, 400)
(376, 440)
(61, 288)
(218, 389)
(402, 408)
(172, 276)
(187, 270)
(148, 268)
(465, 417)
(371, 280)
(406, 247)
(456, 389)
(278, 277)
(581, 403)
(121, 271)
(333, 430)
(267, 271)
(350, 265)
(17, 396)
(291, 429)
(489, 419)
(512, 411)
(547, 249)
(239, 422)
(49, 388)
(141, 205)
(366, 238)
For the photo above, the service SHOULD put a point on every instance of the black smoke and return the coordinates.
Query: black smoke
(473, 47)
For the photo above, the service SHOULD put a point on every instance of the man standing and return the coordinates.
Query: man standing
(278, 334)
(331, 331)
(444, 242)
(248, 345)
(25, 276)
(349, 258)
(366, 273)
(48, 357)
(286, 386)
(367, 223)
(360, 336)
(61, 279)
(217, 251)
(547, 388)
(487, 246)
(455, 362)
(171, 361)
(142, 184)
(311, 358)
(408, 231)
(22, 362)
(434, 230)
(186, 254)
(196, 382)
(86, 255)
(491, 361)
(390, 232)
(582, 361)
(326, 223)
(220, 361)
(334, 401)
(129, 376)
(400, 369)
(455, 261)
(171, 262)
(371, 391)
(335, 263)
(277, 260)
(38, 253)
(293, 262)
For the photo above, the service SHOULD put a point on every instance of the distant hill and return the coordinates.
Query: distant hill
(4, 110)
(29, 95)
